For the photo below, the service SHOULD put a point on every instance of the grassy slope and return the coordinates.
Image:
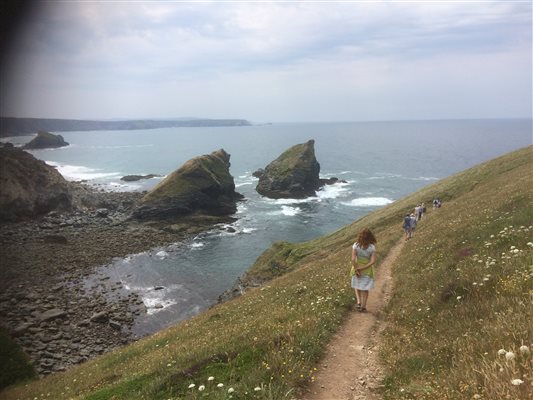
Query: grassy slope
(14, 364)
(271, 338)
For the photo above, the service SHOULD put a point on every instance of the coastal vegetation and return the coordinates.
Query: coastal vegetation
(458, 321)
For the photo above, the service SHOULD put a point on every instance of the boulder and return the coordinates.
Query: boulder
(52, 314)
(294, 174)
(30, 187)
(46, 140)
(133, 178)
(203, 185)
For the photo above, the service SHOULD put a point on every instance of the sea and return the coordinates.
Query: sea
(378, 162)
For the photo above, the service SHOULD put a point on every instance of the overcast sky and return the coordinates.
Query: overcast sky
(271, 62)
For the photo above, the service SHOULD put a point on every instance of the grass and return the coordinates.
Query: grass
(15, 366)
(267, 343)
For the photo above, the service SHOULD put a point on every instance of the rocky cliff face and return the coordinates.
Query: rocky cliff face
(46, 140)
(203, 185)
(294, 174)
(29, 187)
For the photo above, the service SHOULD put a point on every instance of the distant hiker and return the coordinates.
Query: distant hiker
(418, 212)
(439, 203)
(435, 202)
(363, 260)
(407, 227)
(423, 209)
(413, 224)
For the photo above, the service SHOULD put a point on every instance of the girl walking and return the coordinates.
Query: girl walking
(363, 260)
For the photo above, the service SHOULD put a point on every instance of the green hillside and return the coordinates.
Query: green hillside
(457, 300)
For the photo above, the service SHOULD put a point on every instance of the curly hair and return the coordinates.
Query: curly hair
(366, 238)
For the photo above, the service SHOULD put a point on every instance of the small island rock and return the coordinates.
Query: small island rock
(294, 174)
(46, 140)
(202, 185)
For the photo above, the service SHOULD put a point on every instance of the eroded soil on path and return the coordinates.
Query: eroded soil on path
(350, 369)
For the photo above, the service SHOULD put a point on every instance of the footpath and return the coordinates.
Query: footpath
(350, 369)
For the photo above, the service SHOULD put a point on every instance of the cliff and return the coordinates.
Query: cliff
(10, 126)
(202, 185)
(29, 187)
(294, 174)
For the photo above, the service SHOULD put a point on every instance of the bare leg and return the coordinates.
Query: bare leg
(357, 295)
(364, 298)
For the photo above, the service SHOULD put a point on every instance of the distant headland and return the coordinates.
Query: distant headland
(11, 126)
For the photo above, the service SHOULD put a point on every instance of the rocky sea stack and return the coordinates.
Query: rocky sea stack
(29, 186)
(46, 140)
(203, 185)
(294, 174)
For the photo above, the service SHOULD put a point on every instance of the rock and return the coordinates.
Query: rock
(202, 185)
(133, 178)
(46, 140)
(102, 212)
(158, 306)
(52, 314)
(21, 328)
(99, 317)
(30, 187)
(59, 239)
(115, 325)
(294, 174)
(259, 173)
(159, 288)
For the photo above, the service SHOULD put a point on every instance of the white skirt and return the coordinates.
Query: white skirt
(362, 282)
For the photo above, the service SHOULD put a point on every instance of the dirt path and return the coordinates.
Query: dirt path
(350, 369)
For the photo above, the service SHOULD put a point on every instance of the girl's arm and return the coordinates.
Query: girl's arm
(372, 261)
(354, 256)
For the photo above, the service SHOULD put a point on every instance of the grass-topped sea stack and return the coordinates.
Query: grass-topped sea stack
(46, 140)
(294, 174)
(203, 185)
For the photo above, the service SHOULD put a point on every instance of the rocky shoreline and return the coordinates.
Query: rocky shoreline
(44, 303)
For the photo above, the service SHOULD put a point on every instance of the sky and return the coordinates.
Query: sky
(270, 61)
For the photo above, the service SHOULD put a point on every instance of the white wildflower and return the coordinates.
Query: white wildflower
(501, 352)
(231, 390)
(517, 382)
(201, 388)
(459, 297)
(220, 385)
(509, 355)
(191, 385)
(524, 349)
(257, 389)
(477, 396)
(211, 378)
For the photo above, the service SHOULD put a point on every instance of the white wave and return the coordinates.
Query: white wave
(368, 202)
(332, 191)
(289, 211)
(156, 304)
(425, 178)
(243, 184)
(162, 254)
(241, 208)
(291, 201)
(197, 245)
(248, 230)
(78, 172)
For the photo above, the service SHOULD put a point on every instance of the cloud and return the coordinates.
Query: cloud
(241, 54)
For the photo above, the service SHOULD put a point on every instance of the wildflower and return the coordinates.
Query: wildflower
(257, 389)
(477, 396)
(211, 378)
(509, 355)
(524, 349)
(517, 382)
(191, 385)
(220, 385)
(459, 297)
(231, 390)
(201, 388)
(501, 352)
